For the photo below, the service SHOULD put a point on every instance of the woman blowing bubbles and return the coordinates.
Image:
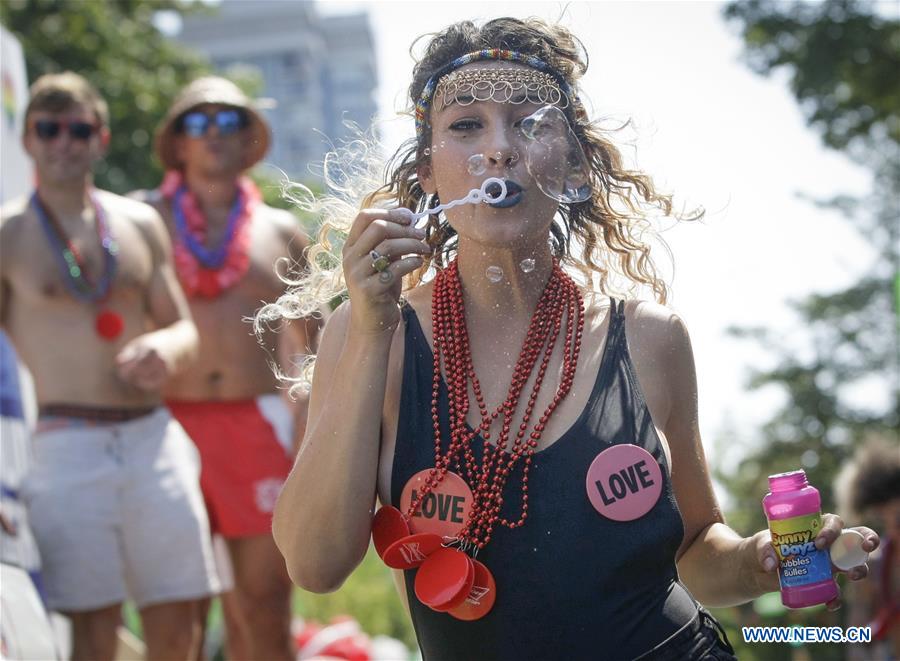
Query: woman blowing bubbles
(538, 439)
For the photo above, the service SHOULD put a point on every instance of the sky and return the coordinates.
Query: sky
(714, 133)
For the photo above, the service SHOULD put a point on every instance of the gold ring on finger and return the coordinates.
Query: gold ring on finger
(379, 262)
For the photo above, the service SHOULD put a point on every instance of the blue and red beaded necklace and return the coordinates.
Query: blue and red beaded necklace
(108, 324)
(213, 258)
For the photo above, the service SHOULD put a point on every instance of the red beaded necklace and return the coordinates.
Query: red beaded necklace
(560, 300)
(202, 272)
(448, 580)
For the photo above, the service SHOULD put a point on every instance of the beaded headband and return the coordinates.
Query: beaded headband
(428, 92)
(512, 85)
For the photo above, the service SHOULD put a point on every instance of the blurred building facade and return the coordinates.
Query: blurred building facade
(320, 70)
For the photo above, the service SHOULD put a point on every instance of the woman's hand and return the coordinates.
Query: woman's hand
(375, 293)
(765, 566)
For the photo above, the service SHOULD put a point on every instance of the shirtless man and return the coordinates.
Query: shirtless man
(226, 245)
(90, 299)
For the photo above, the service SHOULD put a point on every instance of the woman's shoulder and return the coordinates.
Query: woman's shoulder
(660, 349)
(652, 318)
(656, 330)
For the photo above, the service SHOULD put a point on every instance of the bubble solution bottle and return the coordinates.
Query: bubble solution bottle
(793, 509)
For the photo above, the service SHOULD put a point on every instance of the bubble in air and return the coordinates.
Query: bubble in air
(443, 144)
(477, 164)
(427, 151)
(554, 156)
(494, 273)
(527, 265)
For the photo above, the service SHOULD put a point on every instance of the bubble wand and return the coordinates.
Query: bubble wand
(474, 196)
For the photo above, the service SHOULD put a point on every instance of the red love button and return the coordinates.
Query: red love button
(443, 510)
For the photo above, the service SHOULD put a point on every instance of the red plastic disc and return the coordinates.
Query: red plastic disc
(481, 597)
(388, 526)
(461, 597)
(443, 576)
(411, 551)
(109, 325)
(444, 509)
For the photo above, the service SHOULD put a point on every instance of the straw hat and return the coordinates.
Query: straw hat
(219, 91)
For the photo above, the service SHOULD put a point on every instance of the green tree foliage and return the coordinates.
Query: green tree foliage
(115, 45)
(841, 60)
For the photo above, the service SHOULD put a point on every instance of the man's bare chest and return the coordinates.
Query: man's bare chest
(43, 273)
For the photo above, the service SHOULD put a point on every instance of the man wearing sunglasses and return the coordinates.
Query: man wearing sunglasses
(90, 299)
(227, 243)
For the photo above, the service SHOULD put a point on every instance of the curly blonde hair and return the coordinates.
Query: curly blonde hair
(608, 230)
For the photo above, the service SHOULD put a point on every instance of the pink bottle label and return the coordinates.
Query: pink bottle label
(800, 562)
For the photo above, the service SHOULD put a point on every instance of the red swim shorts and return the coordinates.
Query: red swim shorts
(244, 458)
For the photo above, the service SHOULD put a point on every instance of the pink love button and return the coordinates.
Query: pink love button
(624, 482)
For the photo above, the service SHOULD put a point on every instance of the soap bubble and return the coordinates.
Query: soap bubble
(527, 265)
(554, 156)
(494, 273)
(477, 164)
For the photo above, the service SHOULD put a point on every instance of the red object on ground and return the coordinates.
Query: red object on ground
(342, 639)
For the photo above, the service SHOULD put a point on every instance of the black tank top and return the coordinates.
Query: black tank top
(571, 584)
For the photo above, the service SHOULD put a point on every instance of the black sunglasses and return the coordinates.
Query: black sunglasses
(196, 123)
(47, 129)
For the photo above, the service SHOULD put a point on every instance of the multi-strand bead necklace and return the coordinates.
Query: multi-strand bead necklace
(108, 324)
(208, 271)
(448, 579)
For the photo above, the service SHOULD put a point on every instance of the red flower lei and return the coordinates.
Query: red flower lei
(196, 279)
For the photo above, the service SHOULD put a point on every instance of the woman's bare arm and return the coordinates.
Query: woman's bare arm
(323, 516)
(719, 567)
